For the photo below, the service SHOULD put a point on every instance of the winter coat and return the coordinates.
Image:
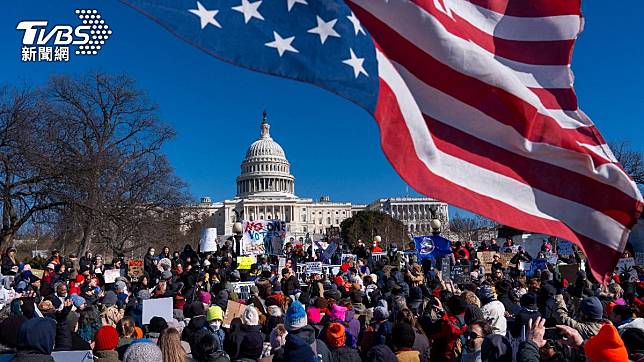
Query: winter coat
(7, 265)
(247, 342)
(521, 320)
(194, 325)
(408, 356)
(345, 354)
(353, 327)
(219, 356)
(585, 328)
(106, 356)
(290, 285)
(25, 356)
(529, 352)
(307, 333)
(421, 344)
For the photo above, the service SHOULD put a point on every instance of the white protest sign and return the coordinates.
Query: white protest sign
(208, 240)
(552, 258)
(73, 356)
(349, 259)
(161, 307)
(627, 266)
(314, 267)
(524, 265)
(111, 275)
(263, 237)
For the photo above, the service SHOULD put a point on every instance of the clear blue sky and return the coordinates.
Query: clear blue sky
(332, 144)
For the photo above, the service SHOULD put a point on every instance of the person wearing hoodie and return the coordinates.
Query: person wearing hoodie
(403, 340)
(208, 348)
(246, 343)
(336, 339)
(194, 311)
(296, 324)
(528, 311)
(215, 317)
(105, 343)
(353, 326)
(590, 315)
(493, 310)
(295, 349)
(36, 340)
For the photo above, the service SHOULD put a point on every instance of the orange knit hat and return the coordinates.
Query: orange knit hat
(139, 332)
(335, 335)
(606, 346)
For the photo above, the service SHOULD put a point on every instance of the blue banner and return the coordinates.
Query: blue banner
(432, 246)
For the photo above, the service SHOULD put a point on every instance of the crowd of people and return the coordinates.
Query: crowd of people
(371, 309)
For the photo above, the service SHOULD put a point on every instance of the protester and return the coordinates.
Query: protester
(393, 308)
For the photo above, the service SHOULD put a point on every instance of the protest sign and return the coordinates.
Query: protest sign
(314, 267)
(244, 262)
(263, 237)
(535, 266)
(161, 307)
(505, 259)
(377, 256)
(72, 356)
(37, 273)
(569, 271)
(135, 269)
(208, 240)
(349, 259)
(281, 263)
(639, 259)
(445, 264)
(461, 274)
(564, 248)
(627, 266)
(111, 275)
(525, 265)
(233, 310)
(486, 258)
(552, 258)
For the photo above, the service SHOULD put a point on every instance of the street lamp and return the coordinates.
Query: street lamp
(436, 226)
(237, 231)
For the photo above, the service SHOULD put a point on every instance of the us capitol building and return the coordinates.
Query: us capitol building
(266, 190)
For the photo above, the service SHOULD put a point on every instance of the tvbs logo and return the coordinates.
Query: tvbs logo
(42, 42)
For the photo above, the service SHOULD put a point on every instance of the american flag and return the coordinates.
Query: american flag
(474, 99)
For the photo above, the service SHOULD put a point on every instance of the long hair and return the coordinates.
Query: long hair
(170, 345)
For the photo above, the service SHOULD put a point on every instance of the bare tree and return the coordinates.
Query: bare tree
(631, 160)
(112, 146)
(27, 161)
(466, 227)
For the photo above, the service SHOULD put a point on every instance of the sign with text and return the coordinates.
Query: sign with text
(486, 258)
(263, 237)
(135, 269)
(233, 310)
(161, 307)
(208, 240)
(111, 275)
(445, 264)
(314, 267)
(627, 266)
(244, 262)
(506, 258)
(461, 274)
(564, 247)
(639, 259)
(351, 259)
(37, 273)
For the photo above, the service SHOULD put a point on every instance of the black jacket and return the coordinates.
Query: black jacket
(195, 324)
(345, 354)
(7, 264)
(245, 343)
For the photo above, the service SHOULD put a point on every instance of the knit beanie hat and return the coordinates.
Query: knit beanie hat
(592, 308)
(110, 298)
(204, 297)
(215, 312)
(335, 335)
(313, 315)
(77, 300)
(143, 294)
(295, 316)
(142, 352)
(607, 345)
(380, 313)
(250, 316)
(403, 335)
(337, 312)
(106, 339)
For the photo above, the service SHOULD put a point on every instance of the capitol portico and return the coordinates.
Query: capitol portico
(266, 190)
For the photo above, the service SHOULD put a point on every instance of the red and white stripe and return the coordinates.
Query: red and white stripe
(477, 108)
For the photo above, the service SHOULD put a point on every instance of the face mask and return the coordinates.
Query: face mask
(215, 325)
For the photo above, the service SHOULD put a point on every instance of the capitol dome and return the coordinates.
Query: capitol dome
(265, 171)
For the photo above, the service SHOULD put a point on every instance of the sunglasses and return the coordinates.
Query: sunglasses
(471, 335)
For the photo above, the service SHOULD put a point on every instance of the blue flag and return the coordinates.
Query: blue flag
(432, 246)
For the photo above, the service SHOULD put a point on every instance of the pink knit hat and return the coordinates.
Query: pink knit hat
(338, 312)
(313, 314)
(204, 297)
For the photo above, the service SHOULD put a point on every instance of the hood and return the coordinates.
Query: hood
(349, 315)
(274, 311)
(297, 349)
(635, 323)
(306, 333)
(38, 335)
